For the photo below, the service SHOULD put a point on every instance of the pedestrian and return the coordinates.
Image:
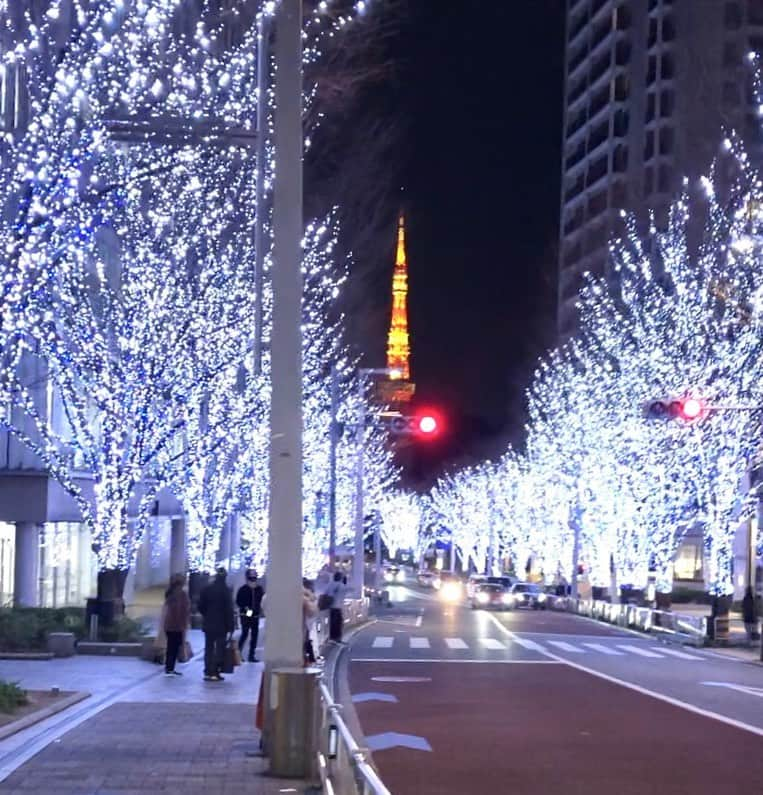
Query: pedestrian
(309, 612)
(336, 591)
(177, 619)
(216, 608)
(249, 603)
(749, 614)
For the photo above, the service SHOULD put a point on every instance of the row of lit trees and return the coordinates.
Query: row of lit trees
(127, 259)
(681, 316)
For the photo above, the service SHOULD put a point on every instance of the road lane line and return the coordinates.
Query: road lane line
(455, 643)
(454, 661)
(560, 644)
(675, 653)
(419, 643)
(638, 650)
(419, 620)
(492, 643)
(382, 642)
(706, 713)
(603, 649)
(527, 644)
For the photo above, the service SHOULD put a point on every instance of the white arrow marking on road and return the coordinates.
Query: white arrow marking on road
(492, 643)
(748, 689)
(381, 742)
(361, 698)
(455, 643)
(560, 644)
(680, 654)
(382, 642)
(401, 679)
(637, 650)
(603, 649)
(419, 643)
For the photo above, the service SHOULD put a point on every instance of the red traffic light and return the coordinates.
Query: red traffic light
(427, 424)
(691, 408)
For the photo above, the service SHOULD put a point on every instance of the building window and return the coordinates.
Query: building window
(653, 32)
(666, 140)
(621, 88)
(664, 179)
(620, 159)
(620, 123)
(668, 29)
(622, 18)
(731, 56)
(667, 102)
(649, 145)
(622, 52)
(667, 70)
(597, 204)
(649, 180)
(597, 170)
(619, 198)
(651, 106)
(732, 16)
(651, 73)
(7, 549)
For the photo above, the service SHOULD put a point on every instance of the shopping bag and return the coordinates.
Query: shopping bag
(228, 659)
(325, 601)
(185, 653)
(236, 653)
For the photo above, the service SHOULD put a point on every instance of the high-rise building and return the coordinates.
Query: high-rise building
(650, 86)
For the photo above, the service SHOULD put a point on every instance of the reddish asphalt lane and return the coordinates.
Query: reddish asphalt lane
(546, 728)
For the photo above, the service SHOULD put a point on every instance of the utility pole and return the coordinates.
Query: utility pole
(358, 564)
(334, 441)
(575, 522)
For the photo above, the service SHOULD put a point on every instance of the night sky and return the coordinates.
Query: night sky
(473, 109)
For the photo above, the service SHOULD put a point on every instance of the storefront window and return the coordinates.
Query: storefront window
(7, 548)
(67, 565)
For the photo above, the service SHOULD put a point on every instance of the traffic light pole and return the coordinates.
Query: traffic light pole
(358, 562)
(334, 441)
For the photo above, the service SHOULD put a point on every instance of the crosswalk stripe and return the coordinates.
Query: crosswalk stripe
(419, 643)
(638, 650)
(492, 643)
(680, 654)
(603, 649)
(455, 643)
(528, 644)
(382, 642)
(560, 644)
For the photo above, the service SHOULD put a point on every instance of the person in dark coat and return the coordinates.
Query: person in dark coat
(216, 608)
(249, 603)
(749, 614)
(336, 590)
(177, 619)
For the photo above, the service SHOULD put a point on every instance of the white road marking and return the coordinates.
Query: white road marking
(638, 650)
(382, 642)
(600, 647)
(401, 679)
(455, 643)
(453, 661)
(527, 644)
(747, 689)
(492, 643)
(560, 644)
(419, 620)
(675, 653)
(381, 742)
(643, 690)
(419, 643)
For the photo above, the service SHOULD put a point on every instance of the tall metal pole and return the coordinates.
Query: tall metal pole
(358, 563)
(283, 643)
(263, 74)
(332, 464)
(575, 520)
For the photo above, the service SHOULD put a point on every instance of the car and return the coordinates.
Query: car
(450, 586)
(394, 574)
(528, 594)
(426, 578)
(489, 595)
(472, 582)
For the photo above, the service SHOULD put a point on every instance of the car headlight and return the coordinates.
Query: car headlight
(508, 599)
(451, 591)
(483, 598)
(541, 597)
(400, 576)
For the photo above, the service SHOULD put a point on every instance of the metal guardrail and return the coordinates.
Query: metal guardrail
(678, 626)
(344, 767)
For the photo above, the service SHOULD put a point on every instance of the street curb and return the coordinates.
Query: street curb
(41, 714)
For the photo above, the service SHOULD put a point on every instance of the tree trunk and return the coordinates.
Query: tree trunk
(111, 585)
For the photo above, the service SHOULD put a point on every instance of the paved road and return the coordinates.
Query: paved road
(454, 700)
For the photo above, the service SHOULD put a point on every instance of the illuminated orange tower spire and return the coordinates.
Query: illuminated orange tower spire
(398, 346)
(399, 388)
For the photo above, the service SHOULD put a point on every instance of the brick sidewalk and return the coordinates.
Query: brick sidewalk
(136, 748)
